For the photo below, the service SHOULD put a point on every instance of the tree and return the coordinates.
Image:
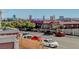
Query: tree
(5, 25)
(14, 16)
(29, 24)
(55, 26)
(20, 24)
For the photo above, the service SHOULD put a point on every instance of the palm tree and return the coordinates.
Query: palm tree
(14, 17)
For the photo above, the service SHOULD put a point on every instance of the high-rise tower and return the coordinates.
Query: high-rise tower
(61, 17)
(30, 17)
(52, 17)
(43, 17)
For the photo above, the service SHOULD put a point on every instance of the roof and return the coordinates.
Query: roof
(71, 22)
(8, 31)
(48, 22)
(10, 39)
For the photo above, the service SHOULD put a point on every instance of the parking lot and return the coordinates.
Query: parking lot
(67, 42)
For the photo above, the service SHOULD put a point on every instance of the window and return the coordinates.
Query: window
(29, 37)
(46, 40)
(25, 33)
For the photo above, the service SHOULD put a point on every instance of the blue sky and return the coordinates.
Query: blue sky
(38, 13)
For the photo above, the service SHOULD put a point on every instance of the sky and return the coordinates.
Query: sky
(39, 13)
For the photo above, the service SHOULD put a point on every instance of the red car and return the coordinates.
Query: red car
(59, 34)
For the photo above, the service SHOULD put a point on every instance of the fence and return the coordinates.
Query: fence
(74, 32)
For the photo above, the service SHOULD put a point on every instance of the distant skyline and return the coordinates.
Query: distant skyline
(39, 13)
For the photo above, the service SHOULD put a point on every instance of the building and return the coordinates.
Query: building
(67, 23)
(70, 24)
(61, 17)
(30, 17)
(43, 17)
(47, 24)
(8, 39)
(52, 17)
(38, 23)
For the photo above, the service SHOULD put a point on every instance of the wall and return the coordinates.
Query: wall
(7, 45)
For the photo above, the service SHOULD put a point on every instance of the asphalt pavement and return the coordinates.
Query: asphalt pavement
(67, 42)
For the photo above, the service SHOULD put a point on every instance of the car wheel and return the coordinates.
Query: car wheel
(55, 46)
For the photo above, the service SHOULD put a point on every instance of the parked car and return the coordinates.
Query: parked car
(59, 34)
(28, 29)
(48, 33)
(35, 30)
(50, 43)
(27, 35)
(46, 41)
(22, 29)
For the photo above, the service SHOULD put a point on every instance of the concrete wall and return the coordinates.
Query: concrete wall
(30, 44)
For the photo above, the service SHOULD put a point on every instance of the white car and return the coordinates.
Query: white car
(50, 43)
(27, 35)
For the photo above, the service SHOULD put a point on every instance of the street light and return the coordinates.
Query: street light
(72, 32)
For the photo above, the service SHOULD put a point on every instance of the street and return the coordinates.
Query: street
(67, 42)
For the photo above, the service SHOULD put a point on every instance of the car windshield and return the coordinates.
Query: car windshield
(45, 40)
(49, 41)
(25, 33)
(29, 37)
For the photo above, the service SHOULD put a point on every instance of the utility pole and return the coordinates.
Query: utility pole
(0, 17)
